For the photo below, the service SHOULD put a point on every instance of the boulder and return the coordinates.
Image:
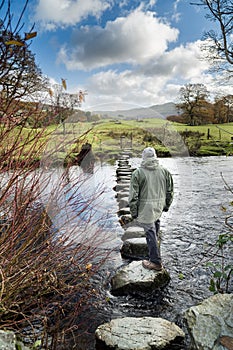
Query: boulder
(211, 322)
(134, 333)
(135, 248)
(133, 232)
(8, 341)
(134, 278)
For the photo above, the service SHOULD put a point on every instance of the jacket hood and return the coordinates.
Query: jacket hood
(150, 163)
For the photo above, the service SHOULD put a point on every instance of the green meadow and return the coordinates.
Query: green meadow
(109, 137)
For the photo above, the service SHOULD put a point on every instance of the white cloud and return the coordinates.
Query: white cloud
(125, 88)
(183, 62)
(54, 13)
(176, 15)
(133, 39)
(153, 83)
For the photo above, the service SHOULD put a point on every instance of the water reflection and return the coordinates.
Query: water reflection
(81, 204)
(86, 158)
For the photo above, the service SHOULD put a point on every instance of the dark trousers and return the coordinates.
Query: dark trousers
(152, 232)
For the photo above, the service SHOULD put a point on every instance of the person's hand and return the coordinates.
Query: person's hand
(165, 209)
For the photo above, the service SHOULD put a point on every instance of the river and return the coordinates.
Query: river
(192, 225)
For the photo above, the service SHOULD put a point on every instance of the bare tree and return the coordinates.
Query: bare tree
(220, 47)
(228, 100)
(20, 77)
(64, 103)
(192, 98)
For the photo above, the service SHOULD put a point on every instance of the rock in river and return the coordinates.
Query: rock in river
(133, 232)
(143, 333)
(134, 248)
(211, 321)
(134, 278)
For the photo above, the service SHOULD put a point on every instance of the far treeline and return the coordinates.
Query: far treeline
(195, 108)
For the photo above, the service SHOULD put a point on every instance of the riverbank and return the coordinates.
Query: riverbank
(58, 145)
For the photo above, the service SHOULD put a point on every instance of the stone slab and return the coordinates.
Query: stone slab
(121, 187)
(123, 202)
(134, 248)
(134, 278)
(125, 219)
(123, 211)
(122, 194)
(138, 333)
(133, 232)
(123, 178)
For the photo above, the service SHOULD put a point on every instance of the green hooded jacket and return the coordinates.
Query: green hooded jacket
(151, 191)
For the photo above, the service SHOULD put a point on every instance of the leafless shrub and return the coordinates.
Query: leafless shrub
(46, 269)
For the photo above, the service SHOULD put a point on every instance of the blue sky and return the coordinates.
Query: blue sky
(125, 53)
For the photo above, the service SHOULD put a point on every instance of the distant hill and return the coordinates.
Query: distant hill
(156, 111)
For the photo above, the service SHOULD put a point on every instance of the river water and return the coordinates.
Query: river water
(191, 226)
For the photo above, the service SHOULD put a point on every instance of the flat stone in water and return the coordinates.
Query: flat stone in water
(123, 178)
(121, 186)
(125, 219)
(135, 248)
(124, 171)
(123, 202)
(138, 333)
(133, 232)
(123, 211)
(124, 165)
(135, 278)
(122, 194)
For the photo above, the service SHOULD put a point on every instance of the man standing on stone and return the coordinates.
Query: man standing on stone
(151, 193)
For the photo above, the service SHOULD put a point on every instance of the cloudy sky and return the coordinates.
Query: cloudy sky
(125, 53)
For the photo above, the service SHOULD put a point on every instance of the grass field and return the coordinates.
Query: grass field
(109, 137)
(211, 139)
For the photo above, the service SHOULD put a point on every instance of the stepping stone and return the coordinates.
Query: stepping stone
(121, 186)
(121, 171)
(134, 278)
(133, 232)
(123, 177)
(126, 174)
(122, 194)
(135, 248)
(123, 211)
(139, 333)
(123, 202)
(124, 181)
(124, 165)
(125, 219)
